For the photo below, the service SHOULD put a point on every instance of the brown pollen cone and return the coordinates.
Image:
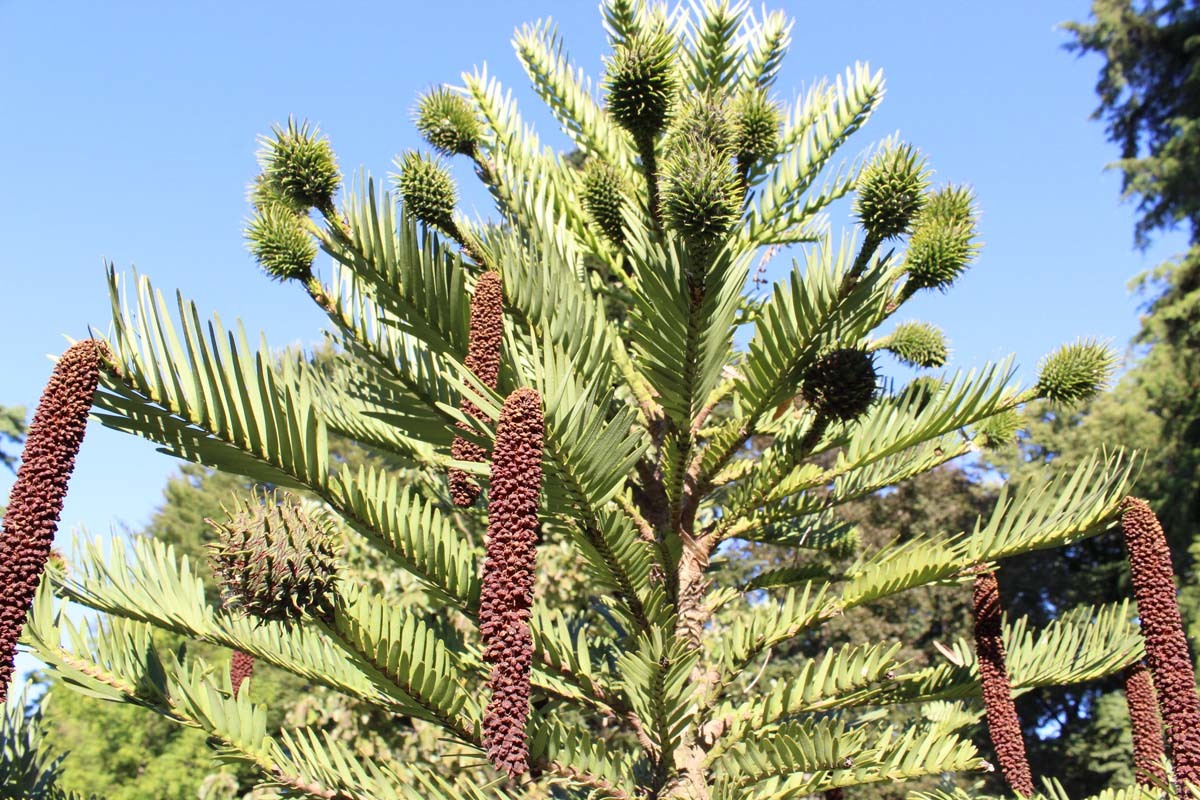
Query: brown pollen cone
(483, 359)
(1004, 726)
(241, 667)
(37, 496)
(1162, 628)
(1146, 725)
(508, 573)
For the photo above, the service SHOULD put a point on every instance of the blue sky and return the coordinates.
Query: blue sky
(131, 129)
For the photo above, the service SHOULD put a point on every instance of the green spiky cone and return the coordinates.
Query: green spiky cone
(427, 190)
(756, 121)
(279, 242)
(841, 384)
(918, 344)
(446, 121)
(998, 430)
(603, 200)
(891, 191)
(1075, 372)
(299, 164)
(943, 242)
(703, 118)
(274, 560)
(921, 391)
(701, 195)
(640, 82)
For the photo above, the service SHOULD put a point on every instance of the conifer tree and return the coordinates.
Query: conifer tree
(620, 422)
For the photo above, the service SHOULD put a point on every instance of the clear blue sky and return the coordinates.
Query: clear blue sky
(130, 135)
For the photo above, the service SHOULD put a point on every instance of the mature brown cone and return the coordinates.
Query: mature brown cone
(1004, 726)
(1146, 724)
(507, 591)
(1162, 628)
(483, 359)
(37, 497)
(241, 666)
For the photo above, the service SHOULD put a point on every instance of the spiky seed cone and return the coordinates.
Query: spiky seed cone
(891, 191)
(279, 242)
(36, 501)
(275, 561)
(1075, 372)
(427, 190)
(483, 359)
(756, 121)
(603, 200)
(841, 384)
(998, 430)
(447, 122)
(918, 344)
(299, 164)
(1004, 726)
(508, 574)
(1162, 628)
(943, 242)
(1146, 726)
(701, 117)
(241, 667)
(701, 196)
(640, 82)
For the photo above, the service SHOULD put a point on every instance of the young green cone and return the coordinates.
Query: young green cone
(446, 120)
(427, 190)
(298, 163)
(891, 192)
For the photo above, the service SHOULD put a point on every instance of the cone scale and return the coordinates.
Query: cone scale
(1146, 726)
(483, 359)
(508, 575)
(1166, 646)
(37, 496)
(1004, 727)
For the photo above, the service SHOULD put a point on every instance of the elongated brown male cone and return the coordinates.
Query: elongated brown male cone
(1146, 724)
(1162, 628)
(1004, 726)
(483, 359)
(507, 591)
(37, 497)
(241, 666)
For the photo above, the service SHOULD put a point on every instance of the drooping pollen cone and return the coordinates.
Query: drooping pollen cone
(241, 667)
(37, 497)
(1146, 724)
(508, 573)
(1162, 628)
(1004, 726)
(483, 359)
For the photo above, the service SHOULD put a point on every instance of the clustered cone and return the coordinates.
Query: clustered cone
(1004, 726)
(918, 344)
(508, 575)
(1162, 628)
(36, 501)
(701, 194)
(298, 164)
(279, 242)
(891, 192)
(427, 190)
(1075, 372)
(998, 430)
(241, 667)
(1146, 725)
(756, 121)
(840, 384)
(483, 359)
(943, 242)
(603, 199)
(274, 561)
(640, 82)
(447, 122)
